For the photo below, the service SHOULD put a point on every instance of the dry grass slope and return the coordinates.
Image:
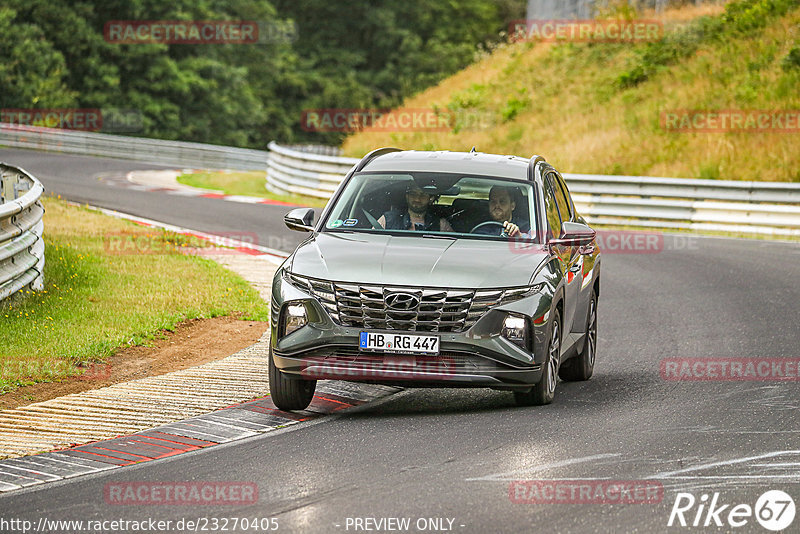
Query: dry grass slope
(570, 103)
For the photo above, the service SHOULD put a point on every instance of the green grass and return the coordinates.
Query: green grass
(97, 299)
(249, 184)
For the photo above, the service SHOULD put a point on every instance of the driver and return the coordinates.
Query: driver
(501, 210)
(416, 216)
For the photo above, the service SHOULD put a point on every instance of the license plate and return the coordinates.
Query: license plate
(399, 343)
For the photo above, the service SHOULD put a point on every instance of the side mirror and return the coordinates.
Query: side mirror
(574, 234)
(300, 219)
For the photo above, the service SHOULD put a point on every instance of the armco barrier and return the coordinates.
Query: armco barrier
(766, 208)
(185, 155)
(302, 172)
(21, 227)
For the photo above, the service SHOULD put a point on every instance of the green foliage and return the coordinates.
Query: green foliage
(515, 105)
(792, 59)
(467, 109)
(740, 17)
(474, 97)
(362, 55)
(709, 171)
(617, 9)
(673, 47)
(32, 71)
(748, 15)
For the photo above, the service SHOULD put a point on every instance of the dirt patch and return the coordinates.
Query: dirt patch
(192, 343)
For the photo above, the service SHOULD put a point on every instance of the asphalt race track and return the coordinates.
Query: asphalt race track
(95, 181)
(453, 454)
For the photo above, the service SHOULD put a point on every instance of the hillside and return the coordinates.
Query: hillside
(597, 107)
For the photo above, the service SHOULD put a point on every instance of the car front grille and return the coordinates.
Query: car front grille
(438, 310)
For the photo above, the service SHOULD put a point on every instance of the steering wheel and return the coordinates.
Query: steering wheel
(489, 223)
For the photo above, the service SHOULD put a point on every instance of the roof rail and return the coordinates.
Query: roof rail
(535, 160)
(372, 155)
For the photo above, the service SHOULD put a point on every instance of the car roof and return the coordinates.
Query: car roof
(453, 162)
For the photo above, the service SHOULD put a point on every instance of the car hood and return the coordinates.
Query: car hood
(417, 261)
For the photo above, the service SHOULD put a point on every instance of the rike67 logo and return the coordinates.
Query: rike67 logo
(774, 510)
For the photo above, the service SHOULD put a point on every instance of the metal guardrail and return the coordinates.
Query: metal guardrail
(765, 208)
(300, 172)
(179, 153)
(21, 227)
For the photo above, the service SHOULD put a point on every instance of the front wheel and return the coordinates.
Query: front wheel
(289, 393)
(543, 392)
(581, 367)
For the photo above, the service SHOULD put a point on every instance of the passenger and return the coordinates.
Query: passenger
(417, 215)
(501, 210)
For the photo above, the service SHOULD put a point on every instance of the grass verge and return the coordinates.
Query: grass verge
(99, 297)
(250, 184)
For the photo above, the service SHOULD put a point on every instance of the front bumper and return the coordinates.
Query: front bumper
(458, 364)
(478, 357)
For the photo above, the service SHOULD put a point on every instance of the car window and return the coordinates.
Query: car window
(446, 203)
(562, 187)
(551, 208)
(561, 199)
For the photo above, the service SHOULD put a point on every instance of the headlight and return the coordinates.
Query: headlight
(515, 329)
(293, 318)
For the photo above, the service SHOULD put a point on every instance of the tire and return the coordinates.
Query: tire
(543, 392)
(289, 393)
(581, 367)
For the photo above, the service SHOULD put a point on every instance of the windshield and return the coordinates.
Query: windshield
(445, 204)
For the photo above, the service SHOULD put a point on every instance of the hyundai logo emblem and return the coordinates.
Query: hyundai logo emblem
(402, 301)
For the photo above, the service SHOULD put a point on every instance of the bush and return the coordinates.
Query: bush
(741, 16)
(792, 59)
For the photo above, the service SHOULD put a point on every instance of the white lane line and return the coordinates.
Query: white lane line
(7, 486)
(736, 477)
(245, 200)
(6, 465)
(515, 475)
(669, 474)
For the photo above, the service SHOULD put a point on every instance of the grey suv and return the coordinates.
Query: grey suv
(438, 269)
